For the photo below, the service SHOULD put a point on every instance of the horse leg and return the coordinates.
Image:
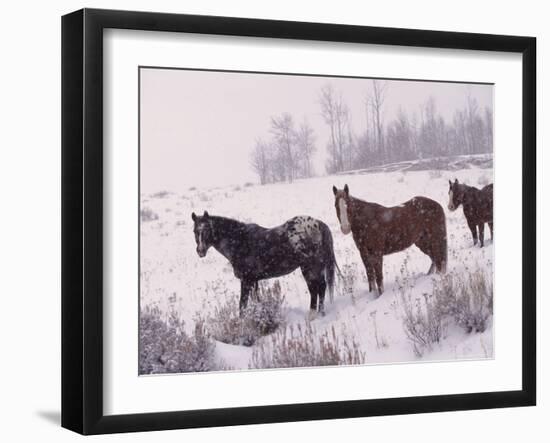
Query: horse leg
(312, 286)
(322, 287)
(370, 271)
(481, 228)
(473, 230)
(491, 229)
(378, 272)
(424, 246)
(255, 291)
(246, 288)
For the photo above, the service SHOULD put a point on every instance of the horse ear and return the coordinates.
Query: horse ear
(194, 216)
(456, 181)
(450, 183)
(205, 214)
(334, 190)
(346, 189)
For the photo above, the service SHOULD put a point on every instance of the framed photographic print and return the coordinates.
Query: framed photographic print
(269, 221)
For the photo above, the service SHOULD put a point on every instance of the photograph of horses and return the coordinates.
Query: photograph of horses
(299, 220)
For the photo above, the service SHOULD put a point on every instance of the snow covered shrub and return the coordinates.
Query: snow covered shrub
(164, 346)
(422, 322)
(349, 277)
(465, 299)
(301, 346)
(147, 214)
(468, 299)
(263, 315)
(160, 194)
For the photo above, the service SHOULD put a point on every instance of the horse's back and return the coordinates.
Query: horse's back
(426, 207)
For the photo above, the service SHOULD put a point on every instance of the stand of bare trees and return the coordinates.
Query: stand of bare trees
(405, 137)
(288, 154)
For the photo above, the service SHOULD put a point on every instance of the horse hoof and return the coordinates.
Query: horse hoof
(312, 314)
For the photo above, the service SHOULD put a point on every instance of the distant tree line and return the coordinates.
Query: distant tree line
(288, 153)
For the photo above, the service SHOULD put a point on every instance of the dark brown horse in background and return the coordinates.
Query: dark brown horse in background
(477, 204)
(378, 231)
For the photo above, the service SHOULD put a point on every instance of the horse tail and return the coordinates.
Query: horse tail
(329, 259)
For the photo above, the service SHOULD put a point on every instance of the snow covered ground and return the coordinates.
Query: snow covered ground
(173, 277)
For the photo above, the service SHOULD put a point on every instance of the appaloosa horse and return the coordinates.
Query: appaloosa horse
(477, 205)
(378, 231)
(258, 253)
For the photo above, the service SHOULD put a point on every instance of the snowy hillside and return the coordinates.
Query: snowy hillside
(175, 279)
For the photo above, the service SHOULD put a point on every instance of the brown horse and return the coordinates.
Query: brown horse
(477, 204)
(378, 231)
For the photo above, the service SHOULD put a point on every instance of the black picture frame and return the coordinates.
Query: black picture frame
(82, 220)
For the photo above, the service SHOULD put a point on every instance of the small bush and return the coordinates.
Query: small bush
(164, 347)
(349, 277)
(468, 300)
(465, 300)
(147, 215)
(248, 184)
(422, 323)
(160, 194)
(263, 315)
(301, 346)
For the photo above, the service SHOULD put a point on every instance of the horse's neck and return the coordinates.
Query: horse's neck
(361, 212)
(230, 237)
(471, 196)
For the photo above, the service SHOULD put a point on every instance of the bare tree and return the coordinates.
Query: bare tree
(259, 160)
(305, 142)
(376, 99)
(336, 114)
(284, 135)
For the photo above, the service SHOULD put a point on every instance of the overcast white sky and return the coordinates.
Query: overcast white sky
(197, 128)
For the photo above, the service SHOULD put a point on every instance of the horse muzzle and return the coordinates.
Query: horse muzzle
(451, 207)
(201, 252)
(346, 229)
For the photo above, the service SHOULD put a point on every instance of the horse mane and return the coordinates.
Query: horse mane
(364, 203)
(466, 187)
(226, 223)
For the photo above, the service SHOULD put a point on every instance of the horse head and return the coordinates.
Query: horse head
(456, 195)
(342, 203)
(204, 232)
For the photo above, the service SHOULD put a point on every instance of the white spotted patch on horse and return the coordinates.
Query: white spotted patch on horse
(304, 233)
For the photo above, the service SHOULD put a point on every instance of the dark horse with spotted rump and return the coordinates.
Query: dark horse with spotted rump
(477, 204)
(378, 231)
(258, 253)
